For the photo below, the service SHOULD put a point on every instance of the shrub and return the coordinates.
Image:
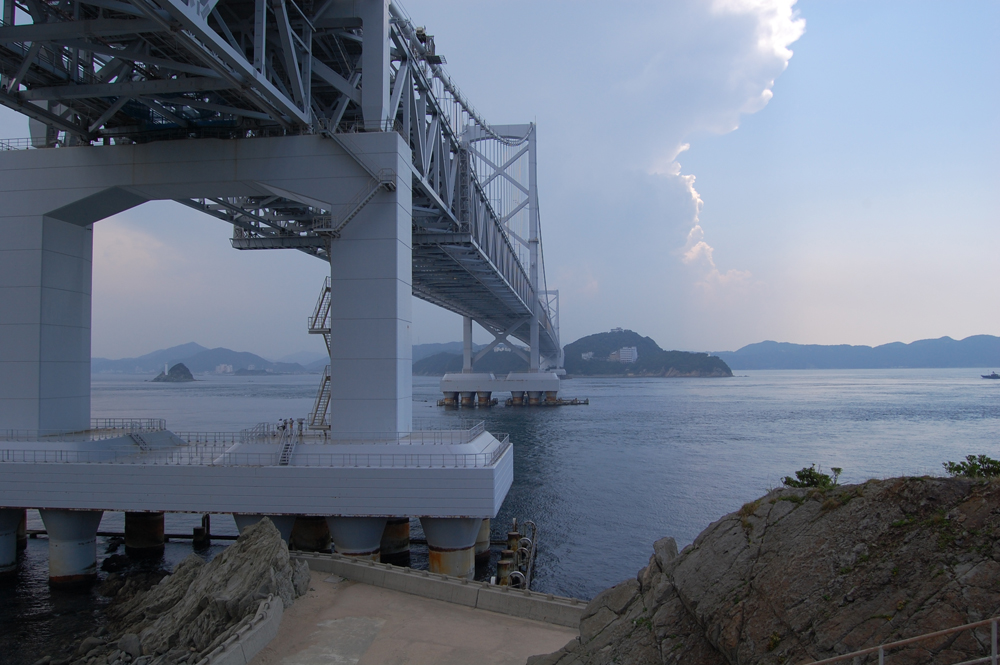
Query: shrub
(974, 466)
(809, 477)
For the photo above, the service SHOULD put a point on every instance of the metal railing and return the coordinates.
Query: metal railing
(227, 438)
(130, 424)
(218, 456)
(858, 657)
(270, 433)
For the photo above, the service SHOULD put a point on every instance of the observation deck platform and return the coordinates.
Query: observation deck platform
(140, 465)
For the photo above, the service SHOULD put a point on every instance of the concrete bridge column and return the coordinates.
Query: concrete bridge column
(144, 535)
(395, 545)
(371, 268)
(45, 285)
(310, 533)
(357, 536)
(22, 532)
(72, 544)
(452, 544)
(10, 519)
(483, 542)
(283, 523)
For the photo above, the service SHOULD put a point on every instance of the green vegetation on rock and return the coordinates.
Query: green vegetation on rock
(974, 466)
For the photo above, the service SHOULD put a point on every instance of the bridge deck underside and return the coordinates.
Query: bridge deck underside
(458, 277)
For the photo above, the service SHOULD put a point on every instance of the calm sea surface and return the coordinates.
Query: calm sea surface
(647, 458)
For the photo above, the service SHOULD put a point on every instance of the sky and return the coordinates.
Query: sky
(711, 174)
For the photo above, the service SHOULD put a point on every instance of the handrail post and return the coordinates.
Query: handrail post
(993, 632)
(881, 656)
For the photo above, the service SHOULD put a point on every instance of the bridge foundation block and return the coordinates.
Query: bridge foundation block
(452, 544)
(359, 537)
(72, 545)
(144, 535)
(10, 519)
(395, 545)
(283, 523)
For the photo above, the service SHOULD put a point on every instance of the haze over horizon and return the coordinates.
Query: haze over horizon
(711, 174)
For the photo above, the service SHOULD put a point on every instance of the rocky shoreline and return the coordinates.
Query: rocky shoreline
(805, 574)
(160, 618)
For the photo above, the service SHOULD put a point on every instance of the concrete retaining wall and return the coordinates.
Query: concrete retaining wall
(251, 637)
(481, 595)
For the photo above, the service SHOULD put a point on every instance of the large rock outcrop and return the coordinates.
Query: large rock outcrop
(190, 612)
(806, 574)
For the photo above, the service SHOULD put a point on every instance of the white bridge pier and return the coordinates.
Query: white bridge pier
(328, 128)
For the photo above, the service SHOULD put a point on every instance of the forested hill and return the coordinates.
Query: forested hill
(981, 351)
(651, 360)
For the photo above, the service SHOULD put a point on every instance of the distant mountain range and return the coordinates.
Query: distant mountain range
(981, 351)
(197, 358)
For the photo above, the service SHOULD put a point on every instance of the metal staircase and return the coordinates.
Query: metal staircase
(317, 419)
(319, 322)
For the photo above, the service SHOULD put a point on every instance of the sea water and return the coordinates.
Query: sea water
(646, 458)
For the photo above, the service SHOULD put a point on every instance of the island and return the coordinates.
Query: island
(179, 373)
(618, 353)
(626, 353)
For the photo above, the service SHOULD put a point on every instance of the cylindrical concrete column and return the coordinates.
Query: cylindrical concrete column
(451, 399)
(534, 397)
(310, 533)
(452, 544)
(283, 523)
(551, 396)
(72, 544)
(10, 519)
(357, 536)
(484, 397)
(517, 397)
(467, 398)
(22, 532)
(395, 545)
(144, 535)
(483, 542)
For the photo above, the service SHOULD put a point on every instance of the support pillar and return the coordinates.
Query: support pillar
(144, 535)
(10, 519)
(283, 523)
(359, 537)
(468, 398)
(45, 283)
(534, 397)
(484, 397)
(310, 534)
(451, 399)
(452, 544)
(395, 545)
(22, 532)
(466, 345)
(483, 542)
(72, 544)
(517, 397)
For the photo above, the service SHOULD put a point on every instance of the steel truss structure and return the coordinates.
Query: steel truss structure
(133, 71)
